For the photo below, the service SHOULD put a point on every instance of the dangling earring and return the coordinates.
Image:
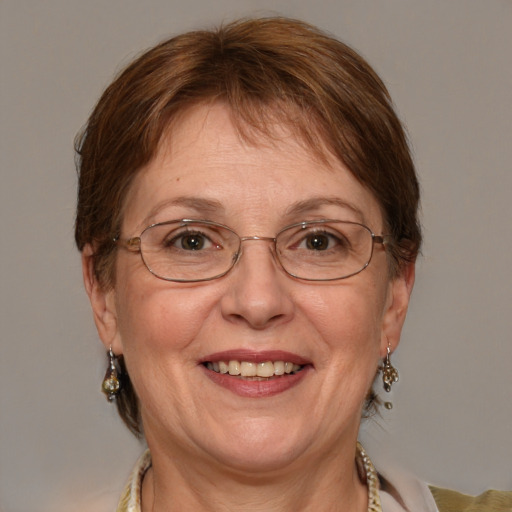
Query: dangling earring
(111, 384)
(389, 375)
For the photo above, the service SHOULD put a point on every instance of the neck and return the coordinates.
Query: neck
(329, 484)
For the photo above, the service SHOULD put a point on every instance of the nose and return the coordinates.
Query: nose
(258, 287)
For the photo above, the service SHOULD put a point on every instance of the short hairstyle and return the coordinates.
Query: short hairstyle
(263, 70)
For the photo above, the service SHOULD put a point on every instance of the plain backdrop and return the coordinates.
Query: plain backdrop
(448, 65)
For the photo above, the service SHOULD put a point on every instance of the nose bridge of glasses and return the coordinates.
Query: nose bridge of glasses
(264, 238)
(270, 239)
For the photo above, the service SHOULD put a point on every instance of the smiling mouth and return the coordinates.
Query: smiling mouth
(248, 370)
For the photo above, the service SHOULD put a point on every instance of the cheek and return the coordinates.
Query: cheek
(156, 316)
(348, 319)
(159, 329)
(160, 320)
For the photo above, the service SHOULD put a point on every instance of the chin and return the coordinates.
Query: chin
(258, 445)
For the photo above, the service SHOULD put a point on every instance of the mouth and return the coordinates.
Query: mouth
(256, 374)
(251, 370)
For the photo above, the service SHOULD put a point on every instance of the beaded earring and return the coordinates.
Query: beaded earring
(389, 375)
(111, 384)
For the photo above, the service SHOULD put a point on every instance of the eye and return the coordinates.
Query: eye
(190, 241)
(318, 241)
(322, 241)
(193, 242)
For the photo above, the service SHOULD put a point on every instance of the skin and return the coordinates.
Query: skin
(213, 449)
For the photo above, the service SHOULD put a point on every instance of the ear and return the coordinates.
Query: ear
(102, 302)
(399, 293)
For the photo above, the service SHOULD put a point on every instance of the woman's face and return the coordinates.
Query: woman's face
(168, 331)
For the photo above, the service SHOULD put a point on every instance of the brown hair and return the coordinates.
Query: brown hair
(262, 69)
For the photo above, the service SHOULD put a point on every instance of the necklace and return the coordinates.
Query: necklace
(372, 480)
(367, 472)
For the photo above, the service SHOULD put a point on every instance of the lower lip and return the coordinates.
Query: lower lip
(257, 388)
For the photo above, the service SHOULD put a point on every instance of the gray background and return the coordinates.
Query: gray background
(448, 66)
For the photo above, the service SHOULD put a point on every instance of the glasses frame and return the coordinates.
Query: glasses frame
(134, 244)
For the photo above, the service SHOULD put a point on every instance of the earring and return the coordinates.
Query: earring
(111, 384)
(389, 375)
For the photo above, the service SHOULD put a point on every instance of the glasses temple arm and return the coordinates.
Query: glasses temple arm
(132, 244)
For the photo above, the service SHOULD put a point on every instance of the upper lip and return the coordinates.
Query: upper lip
(254, 356)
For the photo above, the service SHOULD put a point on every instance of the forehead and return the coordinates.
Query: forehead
(205, 158)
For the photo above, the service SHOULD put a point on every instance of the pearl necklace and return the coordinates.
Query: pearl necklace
(372, 480)
(364, 464)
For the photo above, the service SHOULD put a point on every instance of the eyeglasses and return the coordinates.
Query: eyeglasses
(199, 250)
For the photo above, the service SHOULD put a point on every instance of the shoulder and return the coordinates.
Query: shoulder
(489, 501)
(130, 499)
(402, 492)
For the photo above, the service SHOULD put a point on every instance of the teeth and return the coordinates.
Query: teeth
(265, 369)
(247, 369)
(234, 368)
(279, 367)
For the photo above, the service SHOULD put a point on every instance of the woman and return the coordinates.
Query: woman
(247, 217)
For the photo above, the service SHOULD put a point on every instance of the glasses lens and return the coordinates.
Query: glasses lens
(324, 251)
(189, 251)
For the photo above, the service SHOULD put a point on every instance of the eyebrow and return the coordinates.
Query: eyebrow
(314, 203)
(199, 204)
(205, 206)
